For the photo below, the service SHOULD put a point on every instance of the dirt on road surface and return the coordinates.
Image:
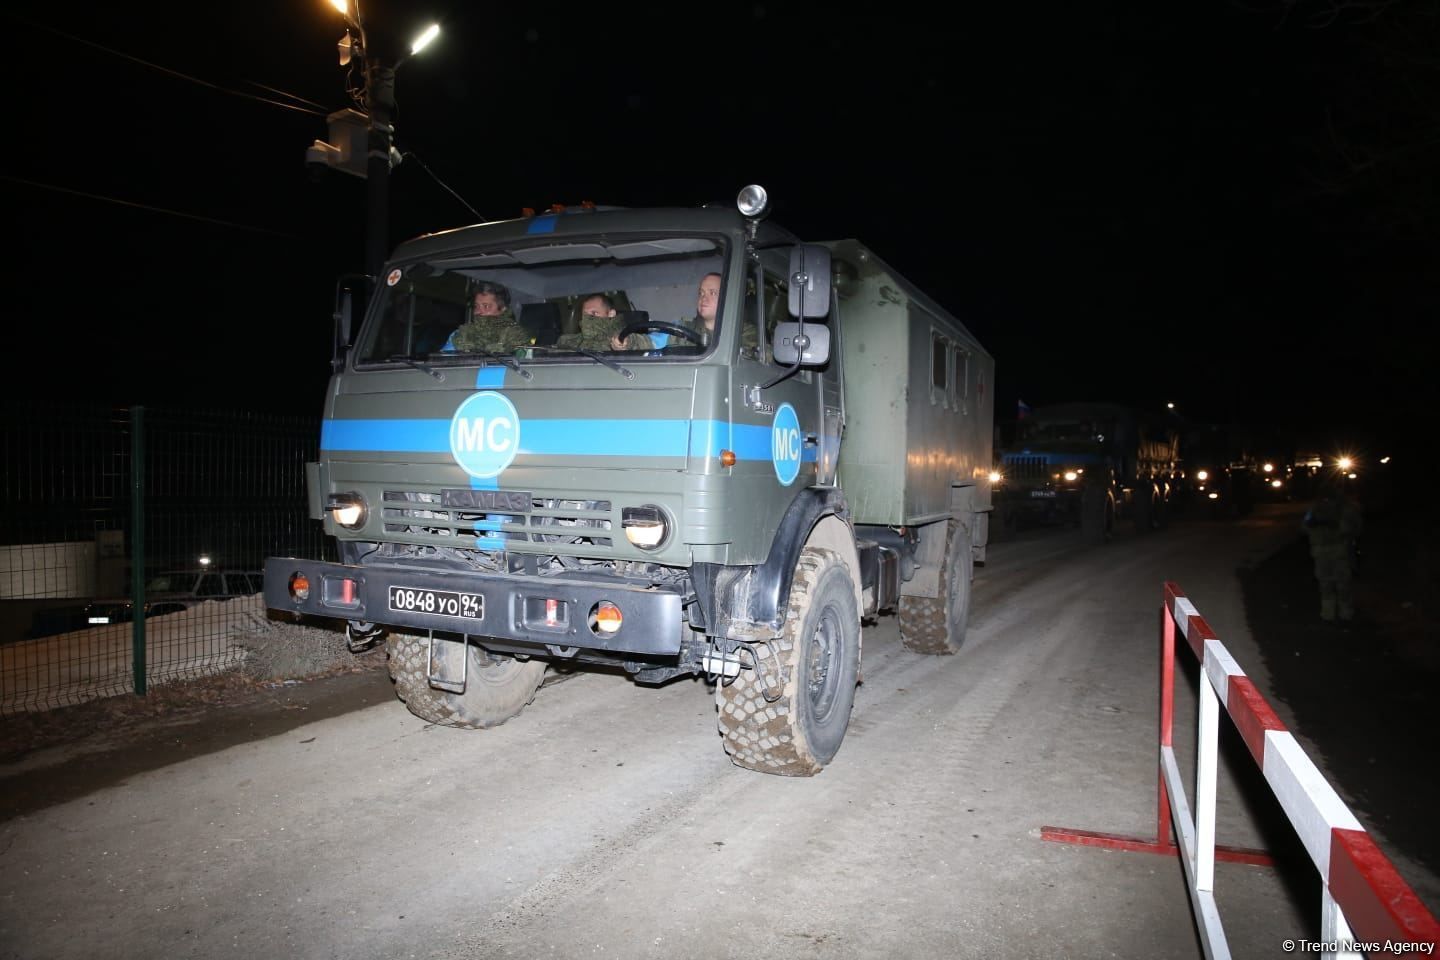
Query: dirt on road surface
(322, 820)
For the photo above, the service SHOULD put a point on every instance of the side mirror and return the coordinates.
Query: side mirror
(812, 346)
(810, 276)
(348, 289)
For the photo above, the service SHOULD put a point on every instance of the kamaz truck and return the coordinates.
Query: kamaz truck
(1090, 465)
(733, 501)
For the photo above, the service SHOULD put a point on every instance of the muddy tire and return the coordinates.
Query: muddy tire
(936, 625)
(813, 667)
(495, 690)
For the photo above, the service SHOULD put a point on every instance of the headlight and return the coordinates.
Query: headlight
(348, 509)
(996, 476)
(1071, 476)
(645, 526)
(1202, 475)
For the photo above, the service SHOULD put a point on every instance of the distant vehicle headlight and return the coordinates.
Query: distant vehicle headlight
(1202, 475)
(996, 476)
(1071, 476)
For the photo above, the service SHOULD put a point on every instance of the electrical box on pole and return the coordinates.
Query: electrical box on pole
(348, 144)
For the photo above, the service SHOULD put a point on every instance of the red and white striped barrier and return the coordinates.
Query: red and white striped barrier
(1365, 906)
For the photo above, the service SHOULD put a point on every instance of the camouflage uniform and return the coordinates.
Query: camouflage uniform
(1333, 524)
(748, 339)
(501, 333)
(595, 334)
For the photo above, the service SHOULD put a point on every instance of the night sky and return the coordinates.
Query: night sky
(1228, 206)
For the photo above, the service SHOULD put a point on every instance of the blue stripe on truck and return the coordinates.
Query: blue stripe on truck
(571, 438)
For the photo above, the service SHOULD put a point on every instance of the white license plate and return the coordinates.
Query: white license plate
(442, 603)
(1044, 494)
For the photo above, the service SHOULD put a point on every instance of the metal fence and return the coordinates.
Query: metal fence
(132, 539)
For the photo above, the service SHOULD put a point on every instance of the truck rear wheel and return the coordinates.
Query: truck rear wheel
(812, 667)
(937, 624)
(495, 689)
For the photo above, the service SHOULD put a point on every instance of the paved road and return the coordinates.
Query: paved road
(607, 821)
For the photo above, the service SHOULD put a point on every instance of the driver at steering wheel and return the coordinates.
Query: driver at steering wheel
(707, 302)
(693, 334)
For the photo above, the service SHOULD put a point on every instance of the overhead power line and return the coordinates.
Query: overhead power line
(185, 76)
(152, 209)
(413, 156)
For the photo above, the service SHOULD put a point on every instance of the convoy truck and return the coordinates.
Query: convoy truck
(725, 503)
(1091, 465)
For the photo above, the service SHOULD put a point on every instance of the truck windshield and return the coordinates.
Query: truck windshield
(560, 301)
(1050, 431)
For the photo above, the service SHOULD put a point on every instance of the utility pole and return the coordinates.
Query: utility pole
(372, 133)
(380, 105)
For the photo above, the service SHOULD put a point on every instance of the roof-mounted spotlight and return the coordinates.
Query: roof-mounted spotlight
(753, 202)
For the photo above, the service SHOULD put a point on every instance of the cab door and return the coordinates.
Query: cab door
(802, 411)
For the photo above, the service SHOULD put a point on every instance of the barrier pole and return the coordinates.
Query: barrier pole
(1165, 828)
(1365, 905)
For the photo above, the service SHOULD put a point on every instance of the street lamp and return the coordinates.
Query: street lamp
(379, 103)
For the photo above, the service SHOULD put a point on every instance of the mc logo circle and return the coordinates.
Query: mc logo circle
(785, 444)
(485, 434)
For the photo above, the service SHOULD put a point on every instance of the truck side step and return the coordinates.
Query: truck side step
(722, 664)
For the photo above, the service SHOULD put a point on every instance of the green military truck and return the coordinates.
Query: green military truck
(728, 503)
(1091, 465)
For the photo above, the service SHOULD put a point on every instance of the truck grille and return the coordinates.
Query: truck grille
(1026, 468)
(557, 521)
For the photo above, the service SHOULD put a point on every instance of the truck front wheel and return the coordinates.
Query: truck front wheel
(788, 713)
(937, 624)
(495, 689)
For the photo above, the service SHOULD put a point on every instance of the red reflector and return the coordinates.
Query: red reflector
(551, 608)
(347, 591)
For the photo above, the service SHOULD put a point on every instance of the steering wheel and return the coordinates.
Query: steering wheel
(671, 328)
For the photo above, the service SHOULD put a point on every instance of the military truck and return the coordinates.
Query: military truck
(1219, 475)
(696, 508)
(1090, 465)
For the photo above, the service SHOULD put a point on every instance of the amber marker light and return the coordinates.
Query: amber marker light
(299, 586)
(727, 458)
(607, 617)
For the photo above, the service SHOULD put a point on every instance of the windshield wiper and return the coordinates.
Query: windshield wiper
(424, 368)
(607, 361)
(510, 362)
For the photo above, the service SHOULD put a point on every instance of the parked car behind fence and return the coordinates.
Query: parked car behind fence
(176, 590)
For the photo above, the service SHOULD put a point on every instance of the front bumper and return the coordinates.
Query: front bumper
(515, 607)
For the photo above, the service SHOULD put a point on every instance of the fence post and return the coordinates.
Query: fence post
(137, 545)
